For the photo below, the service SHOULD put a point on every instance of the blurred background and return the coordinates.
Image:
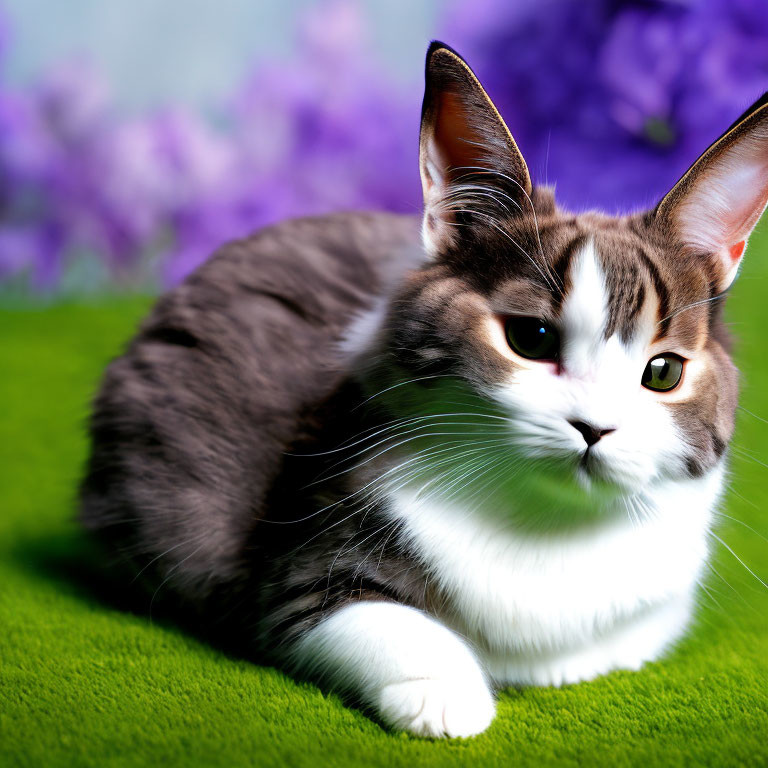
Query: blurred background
(137, 136)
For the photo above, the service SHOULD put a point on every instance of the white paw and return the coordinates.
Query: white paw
(437, 707)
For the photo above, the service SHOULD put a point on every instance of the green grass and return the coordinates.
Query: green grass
(84, 683)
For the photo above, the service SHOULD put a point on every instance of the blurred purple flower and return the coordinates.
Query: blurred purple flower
(322, 132)
(610, 99)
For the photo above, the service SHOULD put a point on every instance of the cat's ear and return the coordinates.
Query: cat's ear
(715, 206)
(463, 141)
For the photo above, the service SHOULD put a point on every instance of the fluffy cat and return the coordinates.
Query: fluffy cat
(419, 466)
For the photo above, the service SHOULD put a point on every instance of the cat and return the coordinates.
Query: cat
(419, 459)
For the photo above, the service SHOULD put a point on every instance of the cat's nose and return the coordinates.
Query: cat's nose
(589, 432)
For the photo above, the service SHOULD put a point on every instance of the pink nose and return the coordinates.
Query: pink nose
(590, 433)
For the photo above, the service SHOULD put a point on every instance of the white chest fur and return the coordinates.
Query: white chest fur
(561, 608)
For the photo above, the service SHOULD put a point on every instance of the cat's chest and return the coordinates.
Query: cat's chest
(513, 593)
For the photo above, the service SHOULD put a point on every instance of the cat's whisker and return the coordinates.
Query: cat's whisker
(170, 573)
(468, 439)
(395, 527)
(397, 432)
(500, 461)
(749, 570)
(375, 497)
(414, 458)
(463, 471)
(743, 453)
(509, 237)
(725, 581)
(477, 472)
(741, 522)
(628, 507)
(472, 511)
(430, 469)
(190, 540)
(517, 184)
(709, 592)
(647, 509)
(693, 304)
(362, 490)
(402, 384)
(389, 425)
(506, 468)
(344, 550)
(472, 430)
(427, 465)
(396, 445)
(754, 415)
(741, 496)
(391, 527)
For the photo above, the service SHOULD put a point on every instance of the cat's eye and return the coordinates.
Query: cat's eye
(533, 338)
(662, 373)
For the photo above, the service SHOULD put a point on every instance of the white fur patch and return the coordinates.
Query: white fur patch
(360, 335)
(584, 315)
(628, 646)
(548, 609)
(412, 671)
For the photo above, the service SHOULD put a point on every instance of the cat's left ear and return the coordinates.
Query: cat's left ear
(715, 206)
(463, 140)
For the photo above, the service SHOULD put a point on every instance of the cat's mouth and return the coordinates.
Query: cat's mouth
(589, 463)
(594, 470)
(589, 468)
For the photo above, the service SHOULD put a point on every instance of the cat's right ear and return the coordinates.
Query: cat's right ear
(713, 209)
(463, 141)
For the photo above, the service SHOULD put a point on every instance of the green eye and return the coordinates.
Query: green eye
(533, 338)
(662, 373)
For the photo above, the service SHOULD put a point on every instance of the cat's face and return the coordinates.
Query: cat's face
(609, 361)
(598, 339)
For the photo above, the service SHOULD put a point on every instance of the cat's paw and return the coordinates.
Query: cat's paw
(437, 708)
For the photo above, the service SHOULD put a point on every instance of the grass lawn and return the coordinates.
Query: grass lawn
(84, 683)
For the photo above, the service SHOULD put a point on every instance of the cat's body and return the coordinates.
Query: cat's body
(364, 464)
(207, 387)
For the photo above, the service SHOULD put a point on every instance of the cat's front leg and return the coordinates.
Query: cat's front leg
(413, 672)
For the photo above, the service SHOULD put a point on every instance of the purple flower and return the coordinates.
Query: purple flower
(611, 101)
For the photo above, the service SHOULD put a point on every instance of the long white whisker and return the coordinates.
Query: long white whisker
(410, 460)
(492, 429)
(170, 573)
(189, 540)
(533, 211)
(714, 535)
(390, 425)
(466, 439)
(402, 384)
(514, 242)
(741, 522)
(690, 306)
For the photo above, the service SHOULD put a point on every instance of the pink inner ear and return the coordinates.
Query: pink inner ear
(737, 250)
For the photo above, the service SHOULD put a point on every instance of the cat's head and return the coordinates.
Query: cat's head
(599, 338)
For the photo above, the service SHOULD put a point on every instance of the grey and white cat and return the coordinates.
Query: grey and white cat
(420, 466)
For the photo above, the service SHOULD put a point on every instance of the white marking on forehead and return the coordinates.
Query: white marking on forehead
(604, 374)
(584, 314)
